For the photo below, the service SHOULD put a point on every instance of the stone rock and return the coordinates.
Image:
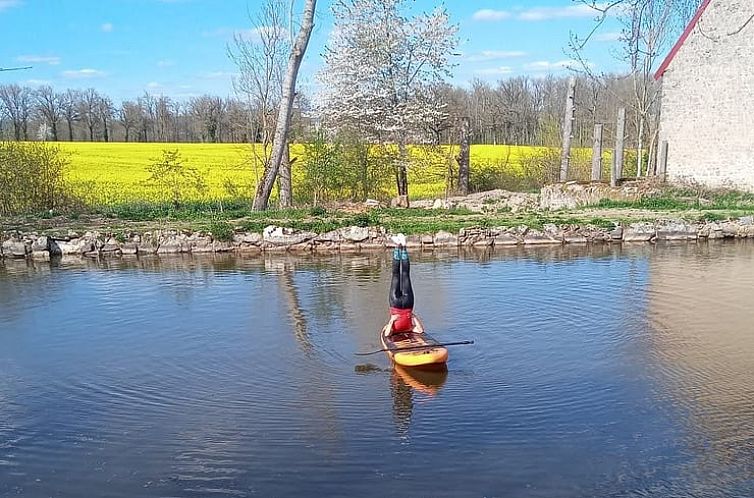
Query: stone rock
(40, 244)
(445, 239)
(111, 246)
(148, 244)
(440, 204)
(746, 220)
(427, 240)
(172, 243)
(537, 237)
(332, 236)
(714, 231)
(41, 255)
(354, 234)
(76, 247)
(507, 239)
(485, 242)
(15, 248)
(371, 203)
(222, 246)
(574, 238)
(201, 244)
(617, 233)
(349, 247)
(399, 202)
(248, 238)
(372, 245)
(281, 236)
(129, 248)
(303, 247)
(639, 232)
(676, 230)
(413, 241)
(730, 229)
(572, 195)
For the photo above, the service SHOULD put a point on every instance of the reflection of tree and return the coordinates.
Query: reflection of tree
(288, 286)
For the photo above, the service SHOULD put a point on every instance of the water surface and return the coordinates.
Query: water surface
(603, 372)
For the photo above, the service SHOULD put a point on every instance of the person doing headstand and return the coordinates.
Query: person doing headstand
(401, 298)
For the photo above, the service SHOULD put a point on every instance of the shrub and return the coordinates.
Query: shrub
(173, 177)
(32, 178)
(221, 231)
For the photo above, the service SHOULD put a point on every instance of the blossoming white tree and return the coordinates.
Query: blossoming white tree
(379, 65)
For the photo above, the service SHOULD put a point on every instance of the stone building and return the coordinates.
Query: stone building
(707, 115)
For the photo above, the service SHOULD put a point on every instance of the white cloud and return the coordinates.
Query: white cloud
(216, 75)
(538, 13)
(491, 15)
(39, 59)
(547, 13)
(83, 74)
(550, 66)
(495, 71)
(253, 35)
(107, 27)
(608, 37)
(38, 82)
(491, 55)
(154, 84)
(7, 4)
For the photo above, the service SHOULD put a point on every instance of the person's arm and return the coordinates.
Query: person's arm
(389, 327)
(418, 326)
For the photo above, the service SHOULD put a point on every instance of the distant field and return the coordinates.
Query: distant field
(110, 173)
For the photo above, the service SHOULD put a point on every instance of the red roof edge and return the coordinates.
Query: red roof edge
(682, 39)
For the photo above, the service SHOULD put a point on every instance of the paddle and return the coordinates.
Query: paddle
(426, 346)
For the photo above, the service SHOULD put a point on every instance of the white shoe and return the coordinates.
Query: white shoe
(399, 240)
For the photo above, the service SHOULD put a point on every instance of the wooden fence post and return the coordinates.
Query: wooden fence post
(620, 136)
(570, 110)
(464, 157)
(597, 153)
(662, 160)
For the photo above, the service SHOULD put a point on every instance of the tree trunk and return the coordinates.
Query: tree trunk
(565, 160)
(91, 133)
(280, 141)
(127, 134)
(70, 130)
(464, 158)
(620, 136)
(55, 131)
(640, 148)
(106, 136)
(402, 176)
(286, 189)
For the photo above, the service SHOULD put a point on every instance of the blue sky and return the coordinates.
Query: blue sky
(178, 47)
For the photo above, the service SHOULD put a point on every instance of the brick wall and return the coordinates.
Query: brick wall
(708, 100)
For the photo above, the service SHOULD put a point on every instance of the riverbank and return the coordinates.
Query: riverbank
(102, 240)
(571, 213)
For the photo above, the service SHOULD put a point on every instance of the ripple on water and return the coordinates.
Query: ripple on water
(625, 375)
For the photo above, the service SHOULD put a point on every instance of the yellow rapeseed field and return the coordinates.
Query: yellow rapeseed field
(111, 173)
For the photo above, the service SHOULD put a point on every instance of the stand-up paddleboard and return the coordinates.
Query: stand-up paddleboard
(420, 350)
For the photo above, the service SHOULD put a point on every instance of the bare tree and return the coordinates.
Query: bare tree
(261, 65)
(69, 109)
(288, 95)
(50, 107)
(649, 26)
(16, 105)
(129, 116)
(88, 109)
(209, 111)
(105, 112)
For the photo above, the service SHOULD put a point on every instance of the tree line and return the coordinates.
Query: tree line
(519, 110)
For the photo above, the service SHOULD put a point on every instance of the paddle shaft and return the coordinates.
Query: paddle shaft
(410, 348)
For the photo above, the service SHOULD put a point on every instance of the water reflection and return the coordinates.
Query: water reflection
(405, 384)
(597, 371)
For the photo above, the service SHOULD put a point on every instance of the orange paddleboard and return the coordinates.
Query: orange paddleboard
(419, 350)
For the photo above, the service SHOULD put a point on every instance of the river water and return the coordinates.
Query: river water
(603, 371)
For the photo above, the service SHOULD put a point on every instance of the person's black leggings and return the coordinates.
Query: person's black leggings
(401, 293)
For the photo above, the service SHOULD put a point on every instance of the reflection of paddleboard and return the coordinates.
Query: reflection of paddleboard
(423, 381)
(424, 350)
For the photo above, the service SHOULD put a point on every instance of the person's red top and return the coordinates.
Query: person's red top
(403, 322)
